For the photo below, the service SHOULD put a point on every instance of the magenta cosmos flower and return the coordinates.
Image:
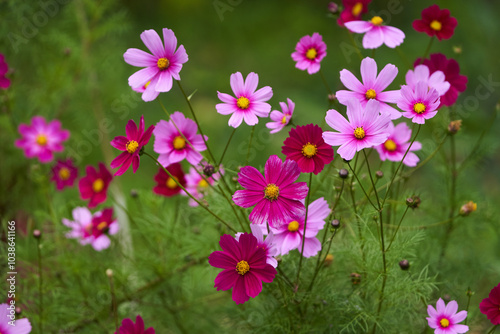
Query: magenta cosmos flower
(131, 145)
(128, 327)
(444, 319)
(4, 68)
(352, 10)
(266, 244)
(64, 174)
(376, 34)
(247, 103)
(245, 267)
(281, 119)
(289, 236)
(309, 52)
(306, 146)
(22, 326)
(491, 306)
(394, 148)
(365, 127)
(171, 144)
(372, 87)
(435, 80)
(436, 22)
(276, 197)
(41, 139)
(165, 185)
(94, 185)
(161, 66)
(197, 184)
(420, 103)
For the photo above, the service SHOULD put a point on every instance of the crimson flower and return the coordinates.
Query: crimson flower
(94, 185)
(436, 22)
(128, 327)
(64, 174)
(166, 186)
(352, 10)
(491, 306)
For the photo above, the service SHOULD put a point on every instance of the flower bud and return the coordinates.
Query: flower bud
(457, 49)
(379, 174)
(343, 173)
(335, 223)
(355, 278)
(208, 170)
(109, 272)
(331, 97)
(454, 126)
(134, 193)
(37, 234)
(328, 260)
(333, 8)
(404, 264)
(468, 208)
(469, 292)
(413, 202)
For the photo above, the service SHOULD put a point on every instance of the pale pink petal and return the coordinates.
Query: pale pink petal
(153, 42)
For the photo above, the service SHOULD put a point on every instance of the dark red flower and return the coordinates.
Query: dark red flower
(166, 186)
(64, 174)
(4, 68)
(306, 146)
(491, 306)
(128, 327)
(436, 22)
(94, 185)
(352, 10)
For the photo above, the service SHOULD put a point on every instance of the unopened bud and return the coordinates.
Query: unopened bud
(343, 173)
(333, 7)
(413, 202)
(355, 278)
(468, 208)
(335, 223)
(331, 97)
(404, 264)
(469, 292)
(109, 272)
(134, 193)
(37, 234)
(208, 170)
(379, 174)
(18, 310)
(328, 260)
(457, 49)
(454, 126)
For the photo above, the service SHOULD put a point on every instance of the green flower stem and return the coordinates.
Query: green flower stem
(113, 302)
(397, 228)
(304, 231)
(40, 285)
(492, 330)
(371, 178)
(361, 186)
(249, 145)
(227, 145)
(427, 49)
(354, 44)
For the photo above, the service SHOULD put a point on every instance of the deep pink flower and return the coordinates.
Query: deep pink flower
(306, 146)
(266, 244)
(171, 144)
(491, 306)
(4, 68)
(64, 174)
(365, 127)
(419, 104)
(247, 103)
(309, 52)
(394, 148)
(451, 70)
(376, 34)
(197, 184)
(435, 80)
(128, 327)
(353, 9)
(436, 22)
(165, 185)
(131, 145)
(41, 139)
(372, 87)
(22, 326)
(94, 185)
(244, 265)
(276, 197)
(444, 319)
(281, 119)
(161, 66)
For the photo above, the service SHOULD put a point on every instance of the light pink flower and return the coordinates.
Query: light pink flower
(247, 103)
(444, 319)
(419, 104)
(394, 148)
(22, 326)
(267, 244)
(281, 119)
(435, 80)
(197, 184)
(376, 34)
(309, 52)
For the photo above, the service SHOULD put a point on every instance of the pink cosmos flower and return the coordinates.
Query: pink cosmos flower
(244, 265)
(94, 185)
(197, 184)
(4, 68)
(435, 80)
(372, 87)
(41, 139)
(376, 33)
(444, 319)
(394, 148)
(305, 145)
(419, 104)
(161, 66)
(266, 244)
(491, 306)
(165, 185)
(131, 145)
(365, 127)
(281, 119)
(248, 103)
(309, 52)
(128, 327)
(290, 235)
(352, 10)
(22, 326)
(171, 144)
(64, 174)
(276, 197)
(436, 22)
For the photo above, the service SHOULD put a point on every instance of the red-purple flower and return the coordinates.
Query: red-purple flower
(165, 185)
(94, 185)
(352, 10)
(305, 145)
(4, 68)
(64, 174)
(309, 52)
(491, 306)
(420, 103)
(276, 197)
(396, 145)
(244, 265)
(131, 146)
(128, 327)
(436, 22)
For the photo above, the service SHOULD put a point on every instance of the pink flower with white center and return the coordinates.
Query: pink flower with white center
(197, 184)
(281, 119)
(290, 235)
(435, 80)
(365, 127)
(171, 144)
(41, 139)
(247, 103)
(444, 319)
(267, 244)
(420, 103)
(376, 34)
(394, 148)
(372, 87)
(22, 326)
(161, 66)
(309, 52)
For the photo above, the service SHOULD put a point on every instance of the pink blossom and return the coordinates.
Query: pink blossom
(396, 145)
(266, 244)
(128, 327)
(444, 319)
(281, 119)
(94, 185)
(197, 184)
(376, 34)
(435, 80)
(22, 326)
(309, 52)
(420, 103)
(64, 174)
(4, 68)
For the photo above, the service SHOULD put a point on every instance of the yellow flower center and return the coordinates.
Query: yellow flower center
(98, 185)
(436, 25)
(242, 267)
(390, 145)
(179, 143)
(132, 146)
(272, 191)
(370, 94)
(163, 63)
(444, 323)
(359, 133)
(102, 226)
(377, 20)
(419, 107)
(357, 8)
(309, 150)
(64, 175)
(41, 140)
(283, 120)
(311, 53)
(147, 84)
(203, 183)
(243, 102)
(293, 226)
(171, 184)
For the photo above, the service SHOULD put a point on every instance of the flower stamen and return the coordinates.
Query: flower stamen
(359, 133)
(64, 173)
(171, 184)
(243, 102)
(436, 25)
(444, 323)
(283, 120)
(390, 145)
(242, 267)
(311, 53)
(272, 191)
(419, 107)
(357, 8)
(98, 185)
(163, 63)
(293, 226)
(132, 146)
(309, 150)
(179, 143)
(377, 20)
(370, 94)
(41, 140)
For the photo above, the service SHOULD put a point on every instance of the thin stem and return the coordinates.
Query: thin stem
(249, 145)
(40, 285)
(354, 44)
(113, 298)
(371, 178)
(304, 230)
(469, 295)
(397, 229)
(325, 82)
(356, 176)
(227, 145)
(427, 50)
(493, 329)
